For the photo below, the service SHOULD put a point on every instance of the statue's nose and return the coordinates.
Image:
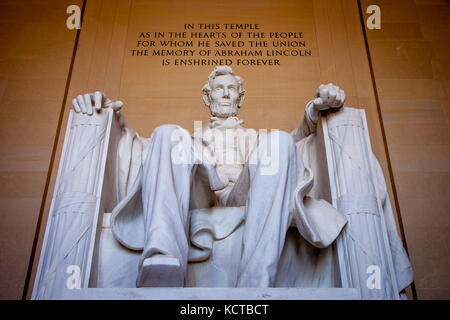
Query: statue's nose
(226, 93)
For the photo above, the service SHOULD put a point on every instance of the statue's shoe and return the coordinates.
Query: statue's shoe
(160, 271)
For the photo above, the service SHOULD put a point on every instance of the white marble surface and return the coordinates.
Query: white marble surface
(371, 253)
(211, 294)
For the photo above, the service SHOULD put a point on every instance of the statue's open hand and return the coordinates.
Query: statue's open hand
(329, 96)
(88, 102)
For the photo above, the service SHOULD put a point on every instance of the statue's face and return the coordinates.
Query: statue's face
(224, 96)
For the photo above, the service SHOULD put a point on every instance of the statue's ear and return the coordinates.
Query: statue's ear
(206, 98)
(241, 100)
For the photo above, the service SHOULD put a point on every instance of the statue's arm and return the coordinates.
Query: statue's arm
(327, 97)
(308, 125)
(130, 145)
(91, 103)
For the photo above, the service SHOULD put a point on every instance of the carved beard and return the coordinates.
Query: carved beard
(223, 111)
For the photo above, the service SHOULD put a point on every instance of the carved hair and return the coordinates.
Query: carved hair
(221, 71)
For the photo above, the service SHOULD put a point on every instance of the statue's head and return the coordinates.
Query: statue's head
(223, 92)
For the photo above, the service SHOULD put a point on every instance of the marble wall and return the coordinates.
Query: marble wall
(35, 56)
(410, 56)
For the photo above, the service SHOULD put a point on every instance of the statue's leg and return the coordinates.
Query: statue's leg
(166, 179)
(273, 168)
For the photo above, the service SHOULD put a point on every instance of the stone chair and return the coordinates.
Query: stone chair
(79, 235)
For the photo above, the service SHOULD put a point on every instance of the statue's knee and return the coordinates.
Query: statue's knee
(284, 136)
(275, 152)
(282, 140)
(169, 131)
(164, 138)
(166, 129)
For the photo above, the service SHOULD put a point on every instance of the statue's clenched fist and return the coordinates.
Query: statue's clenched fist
(328, 96)
(88, 102)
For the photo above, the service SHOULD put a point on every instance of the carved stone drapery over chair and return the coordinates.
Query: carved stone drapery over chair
(368, 255)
